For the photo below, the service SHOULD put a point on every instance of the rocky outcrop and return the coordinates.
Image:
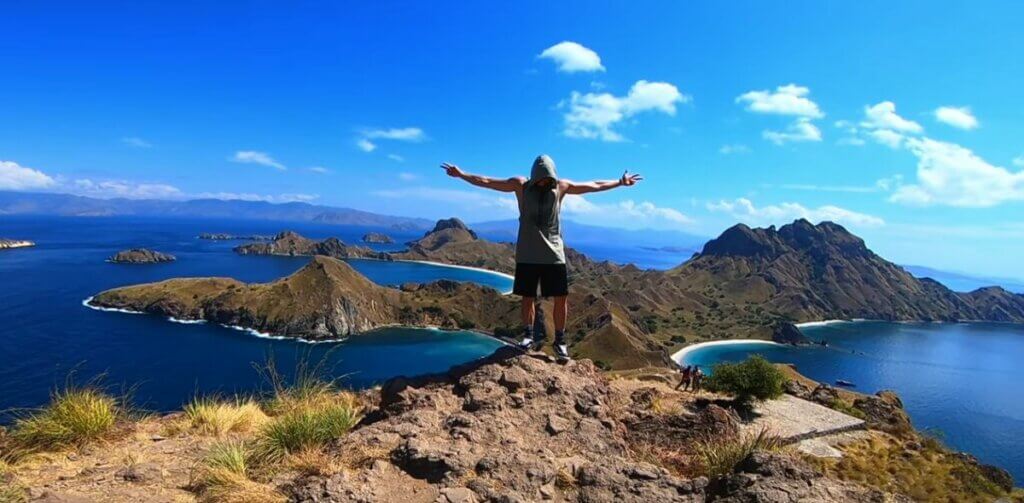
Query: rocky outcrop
(140, 256)
(787, 333)
(15, 243)
(884, 411)
(377, 237)
(292, 244)
(516, 427)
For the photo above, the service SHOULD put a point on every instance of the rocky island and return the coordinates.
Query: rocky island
(140, 256)
(289, 243)
(220, 236)
(15, 243)
(377, 237)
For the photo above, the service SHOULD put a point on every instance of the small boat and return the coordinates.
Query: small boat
(843, 382)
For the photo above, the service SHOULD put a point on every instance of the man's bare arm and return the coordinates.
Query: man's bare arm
(627, 180)
(500, 184)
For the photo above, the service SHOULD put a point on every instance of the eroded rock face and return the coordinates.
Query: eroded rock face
(522, 428)
(884, 411)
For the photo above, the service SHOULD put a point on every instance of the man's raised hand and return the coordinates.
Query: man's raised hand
(451, 169)
(629, 180)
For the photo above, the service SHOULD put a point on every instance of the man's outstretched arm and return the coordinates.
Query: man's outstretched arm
(499, 184)
(627, 180)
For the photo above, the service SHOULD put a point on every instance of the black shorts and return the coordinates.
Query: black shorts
(553, 280)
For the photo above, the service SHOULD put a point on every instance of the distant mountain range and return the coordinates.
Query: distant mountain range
(576, 233)
(26, 203)
(962, 282)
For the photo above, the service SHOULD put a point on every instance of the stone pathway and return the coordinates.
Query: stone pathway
(797, 420)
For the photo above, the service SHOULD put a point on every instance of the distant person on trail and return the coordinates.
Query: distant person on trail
(684, 382)
(540, 254)
(698, 378)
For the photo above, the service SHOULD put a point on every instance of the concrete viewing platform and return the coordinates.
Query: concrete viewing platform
(796, 420)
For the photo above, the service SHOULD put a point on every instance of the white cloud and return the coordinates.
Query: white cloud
(800, 130)
(365, 145)
(628, 213)
(106, 189)
(883, 116)
(16, 177)
(246, 196)
(952, 175)
(790, 99)
(254, 157)
(887, 137)
(958, 117)
(1018, 161)
(593, 115)
(572, 57)
(744, 210)
(852, 141)
(396, 158)
(407, 177)
(320, 169)
(733, 149)
(135, 141)
(412, 134)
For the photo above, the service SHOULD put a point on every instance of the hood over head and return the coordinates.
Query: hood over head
(543, 167)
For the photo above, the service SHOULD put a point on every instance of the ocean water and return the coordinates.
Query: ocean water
(962, 381)
(47, 335)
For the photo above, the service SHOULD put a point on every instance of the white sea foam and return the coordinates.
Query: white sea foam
(87, 301)
(820, 323)
(678, 356)
(186, 322)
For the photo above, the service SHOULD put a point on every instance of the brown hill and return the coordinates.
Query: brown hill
(326, 299)
(452, 242)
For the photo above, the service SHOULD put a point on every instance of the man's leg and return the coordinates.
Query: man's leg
(561, 310)
(527, 312)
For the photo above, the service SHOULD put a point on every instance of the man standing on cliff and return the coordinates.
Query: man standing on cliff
(540, 254)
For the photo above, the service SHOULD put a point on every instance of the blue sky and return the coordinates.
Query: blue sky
(900, 120)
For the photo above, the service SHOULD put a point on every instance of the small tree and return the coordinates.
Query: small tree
(753, 379)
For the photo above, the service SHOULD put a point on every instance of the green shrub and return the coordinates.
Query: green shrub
(74, 416)
(755, 378)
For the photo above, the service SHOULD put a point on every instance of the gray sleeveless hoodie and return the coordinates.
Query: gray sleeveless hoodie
(540, 232)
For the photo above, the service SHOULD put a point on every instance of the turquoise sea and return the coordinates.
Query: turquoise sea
(961, 381)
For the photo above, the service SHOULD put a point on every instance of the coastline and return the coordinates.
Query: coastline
(454, 266)
(679, 355)
(266, 335)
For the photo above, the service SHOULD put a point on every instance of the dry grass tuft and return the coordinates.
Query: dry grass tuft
(222, 477)
(218, 417)
(718, 457)
(73, 417)
(313, 461)
(11, 490)
(310, 426)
